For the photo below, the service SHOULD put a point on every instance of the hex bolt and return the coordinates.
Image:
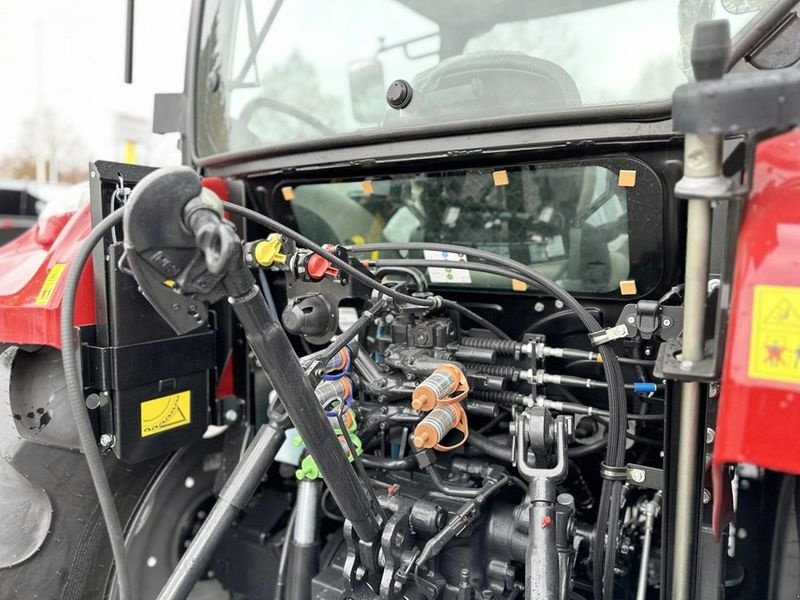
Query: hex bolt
(638, 475)
(538, 307)
(558, 304)
(107, 440)
(231, 415)
(666, 322)
(710, 435)
(631, 319)
(706, 496)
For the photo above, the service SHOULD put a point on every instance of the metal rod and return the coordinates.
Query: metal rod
(129, 43)
(304, 552)
(650, 510)
(703, 158)
(234, 497)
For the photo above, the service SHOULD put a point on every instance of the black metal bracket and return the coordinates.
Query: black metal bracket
(649, 318)
(645, 477)
(119, 367)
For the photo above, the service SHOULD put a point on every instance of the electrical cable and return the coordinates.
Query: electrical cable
(79, 411)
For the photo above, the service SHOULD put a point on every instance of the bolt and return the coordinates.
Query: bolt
(538, 307)
(741, 533)
(231, 415)
(188, 483)
(631, 319)
(107, 440)
(713, 284)
(152, 561)
(744, 484)
(706, 496)
(647, 351)
(710, 435)
(558, 304)
(666, 322)
(686, 365)
(638, 475)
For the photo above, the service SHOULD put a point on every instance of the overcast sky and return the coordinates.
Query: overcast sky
(69, 55)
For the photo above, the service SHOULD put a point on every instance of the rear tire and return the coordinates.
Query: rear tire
(154, 502)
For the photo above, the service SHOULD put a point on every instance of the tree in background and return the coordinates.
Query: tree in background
(45, 138)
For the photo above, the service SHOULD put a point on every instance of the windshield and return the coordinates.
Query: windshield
(272, 72)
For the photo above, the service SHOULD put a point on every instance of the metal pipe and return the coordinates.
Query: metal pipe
(703, 158)
(542, 558)
(650, 511)
(129, 42)
(233, 498)
(304, 552)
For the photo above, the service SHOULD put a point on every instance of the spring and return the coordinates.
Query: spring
(507, 371)
(501, 398)
(499, 346)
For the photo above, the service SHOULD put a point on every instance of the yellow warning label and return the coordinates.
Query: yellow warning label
(49, 284)
(165, 413)
(775, 334)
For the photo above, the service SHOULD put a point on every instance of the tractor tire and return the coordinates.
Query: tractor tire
(785, 566)
(158, 501)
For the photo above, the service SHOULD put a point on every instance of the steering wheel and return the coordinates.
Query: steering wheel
(260, 102)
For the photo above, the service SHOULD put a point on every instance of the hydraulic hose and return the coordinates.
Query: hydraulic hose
(76, 401)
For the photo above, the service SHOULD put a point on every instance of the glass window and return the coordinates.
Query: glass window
(570, 223)
(274, 72)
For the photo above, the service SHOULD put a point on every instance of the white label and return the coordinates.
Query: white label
(555, 247)
(447, 275)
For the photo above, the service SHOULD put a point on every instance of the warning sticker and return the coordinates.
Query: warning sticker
(49, 284)
(775, 334)
(167, 412)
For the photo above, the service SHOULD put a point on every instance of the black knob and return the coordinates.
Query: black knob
(711, 49)
(399, 93)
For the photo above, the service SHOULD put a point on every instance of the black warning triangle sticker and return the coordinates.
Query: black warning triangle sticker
(783, 314)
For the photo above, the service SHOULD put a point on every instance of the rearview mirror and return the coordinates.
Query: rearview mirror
(367, 90)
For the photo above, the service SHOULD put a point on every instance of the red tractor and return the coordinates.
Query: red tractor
(448, 300)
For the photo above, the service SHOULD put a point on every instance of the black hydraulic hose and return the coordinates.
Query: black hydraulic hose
(371, 461)
(77, 404)
(497, 451)
(415, 274)
(505, 453)
(486, 324)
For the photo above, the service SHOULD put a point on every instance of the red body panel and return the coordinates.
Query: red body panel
(27, 314)
(759, 417)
